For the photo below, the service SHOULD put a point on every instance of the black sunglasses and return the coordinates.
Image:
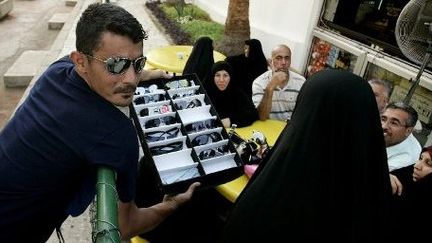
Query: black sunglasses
(181, 175)
(149, 98)
(187, 104)
(175, 84)
(145, 90)
(206, 138)
(167, 148)
(186, 94)
(213, 152)
(165, 120)
(200, 125)
(119, 65)
(161, 135)
(155, 110)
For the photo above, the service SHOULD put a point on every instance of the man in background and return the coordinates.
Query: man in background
(274, 92)
(398, 121)
(381, 90)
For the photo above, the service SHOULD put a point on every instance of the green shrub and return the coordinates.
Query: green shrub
(199, 25)
(199, 28)
(189, 9)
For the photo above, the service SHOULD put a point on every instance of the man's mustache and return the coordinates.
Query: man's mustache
(129, 88)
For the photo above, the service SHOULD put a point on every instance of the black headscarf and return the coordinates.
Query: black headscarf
(326, 178)
(412, 207)
(257, 62)
(232, 102)
(247, 69)
(201, 58)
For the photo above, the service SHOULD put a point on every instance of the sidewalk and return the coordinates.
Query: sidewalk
(24, 28)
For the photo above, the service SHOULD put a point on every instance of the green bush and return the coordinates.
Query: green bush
(199, 28)
(199, 25)
(189, 9)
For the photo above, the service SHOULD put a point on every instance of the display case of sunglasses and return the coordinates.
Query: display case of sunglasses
(181, 135)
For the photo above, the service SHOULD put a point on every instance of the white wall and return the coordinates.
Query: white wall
(274, 22)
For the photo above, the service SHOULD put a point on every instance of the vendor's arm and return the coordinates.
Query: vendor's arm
(153, 74)
(134, 221)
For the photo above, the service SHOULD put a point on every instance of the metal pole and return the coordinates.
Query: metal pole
(417, 80)
(107, 230)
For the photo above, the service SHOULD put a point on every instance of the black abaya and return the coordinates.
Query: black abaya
(326, 179)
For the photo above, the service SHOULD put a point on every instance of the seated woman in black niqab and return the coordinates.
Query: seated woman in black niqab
(326, 179)
(230, 102)
(248, 65)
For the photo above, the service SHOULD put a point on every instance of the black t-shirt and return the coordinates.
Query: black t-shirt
(50, 151)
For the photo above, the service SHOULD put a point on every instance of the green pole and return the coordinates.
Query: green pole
(107, 230)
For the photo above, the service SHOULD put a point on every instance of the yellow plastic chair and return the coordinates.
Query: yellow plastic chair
(138, 239)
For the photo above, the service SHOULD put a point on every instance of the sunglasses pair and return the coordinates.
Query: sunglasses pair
(156, 122)
(119, 65)
(181, 175)
(149, 98)
(145, 90)
(181, 95)
(200, 125)
(206, 138)
(161, 135)
(155, 110)
(187, 104)
(175, 84)
(167, 148)
(214, 152)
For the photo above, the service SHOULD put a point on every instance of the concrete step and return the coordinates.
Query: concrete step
(5, 7)
(57, 21)
(24, 68)
(71, 3)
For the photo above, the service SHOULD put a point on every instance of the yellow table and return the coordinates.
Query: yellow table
(271, 129)
(174, 58)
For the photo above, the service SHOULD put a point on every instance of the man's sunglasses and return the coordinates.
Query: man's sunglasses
(161, 135)
(185, 94)
(155, 110)
(187, 104)
(166, 120)
(214, 152)
(175, 84)
(119, 65)
(200, 125)
(206, 138)
(149, 98)
(168, 148)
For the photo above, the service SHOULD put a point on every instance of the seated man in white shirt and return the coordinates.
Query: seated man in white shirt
(274, 93)
(398, 121)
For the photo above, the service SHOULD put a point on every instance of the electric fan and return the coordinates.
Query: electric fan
(414, 37)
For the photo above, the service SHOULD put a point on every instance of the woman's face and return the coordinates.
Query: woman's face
(246, 50)
(423, 166)
(222, 79)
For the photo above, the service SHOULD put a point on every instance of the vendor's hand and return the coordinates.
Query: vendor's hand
(226, 122)
(177, 200)
(396, 185)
